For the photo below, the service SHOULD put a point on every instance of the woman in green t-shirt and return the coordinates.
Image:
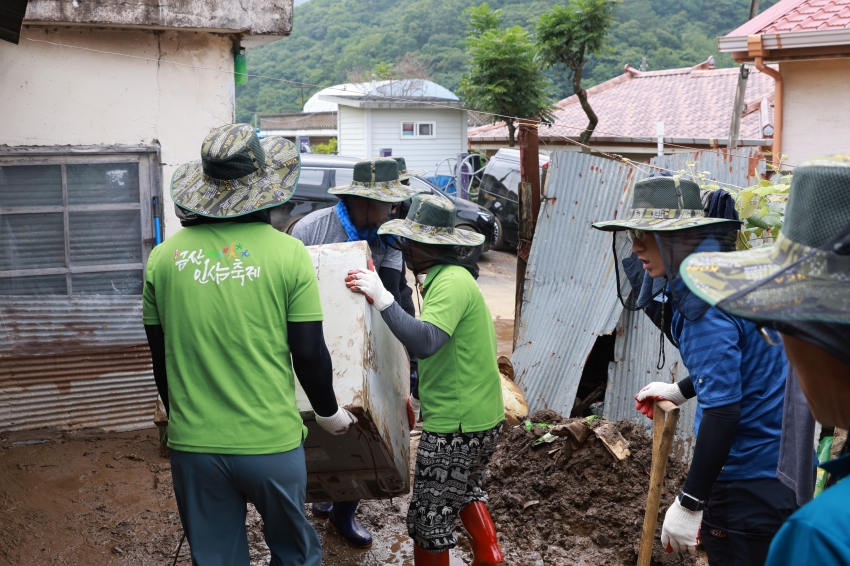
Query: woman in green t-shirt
(459, 385)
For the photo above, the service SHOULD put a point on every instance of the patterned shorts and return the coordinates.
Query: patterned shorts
(449, 471)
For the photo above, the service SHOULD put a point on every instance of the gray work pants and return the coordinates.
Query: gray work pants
(212, 492)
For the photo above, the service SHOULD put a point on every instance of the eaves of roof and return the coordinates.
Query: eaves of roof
(711, 142)
(790, 40)
(394, 102)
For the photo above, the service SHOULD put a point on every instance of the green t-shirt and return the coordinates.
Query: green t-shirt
(223, 294)
(459, 386)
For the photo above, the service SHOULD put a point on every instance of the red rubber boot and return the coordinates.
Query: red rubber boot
(482, 535)
(425, 558)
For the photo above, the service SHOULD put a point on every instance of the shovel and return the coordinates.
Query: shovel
(664, 419)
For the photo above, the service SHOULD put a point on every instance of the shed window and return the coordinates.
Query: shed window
(74, 224)
(418, 130)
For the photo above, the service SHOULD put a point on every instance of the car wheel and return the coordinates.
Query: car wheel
(498, 234)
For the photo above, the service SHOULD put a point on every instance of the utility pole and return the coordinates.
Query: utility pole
(302, 87)
(529, 207)
(735, 126)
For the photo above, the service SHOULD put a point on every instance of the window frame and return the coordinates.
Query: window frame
(416, 125)
(150, 186)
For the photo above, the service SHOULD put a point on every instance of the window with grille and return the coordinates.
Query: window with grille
(75, 224)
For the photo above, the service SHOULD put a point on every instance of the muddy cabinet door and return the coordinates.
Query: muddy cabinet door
(371, 379)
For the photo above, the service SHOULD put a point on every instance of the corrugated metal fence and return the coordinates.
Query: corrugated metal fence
(73, 362)
(570, 293)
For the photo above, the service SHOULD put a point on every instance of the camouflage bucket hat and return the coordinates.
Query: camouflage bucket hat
(376, 179)
(237, 174)
(431, 220)
(805, 274)
(662, 204)
(403, 173)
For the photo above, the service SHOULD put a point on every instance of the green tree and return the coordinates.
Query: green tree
(568, 35)
(503, 76)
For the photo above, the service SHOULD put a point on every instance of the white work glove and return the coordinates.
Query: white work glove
(681, 528)
(369, 283)
(338, 423)
(413, 407)
(657, 391)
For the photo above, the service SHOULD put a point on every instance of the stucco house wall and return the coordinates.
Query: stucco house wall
(56, 96)
(816, 111)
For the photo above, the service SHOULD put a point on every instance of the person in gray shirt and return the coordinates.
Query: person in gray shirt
(364, 205)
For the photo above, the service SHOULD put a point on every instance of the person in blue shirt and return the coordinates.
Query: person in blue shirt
(731, 500)
(799, 286)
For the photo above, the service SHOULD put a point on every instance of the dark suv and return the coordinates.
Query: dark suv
(498, 194)
(321, 172)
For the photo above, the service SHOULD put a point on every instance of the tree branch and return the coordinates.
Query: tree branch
(592, 119)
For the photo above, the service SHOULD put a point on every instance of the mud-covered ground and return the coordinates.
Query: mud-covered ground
(556, 505)
(108, 499)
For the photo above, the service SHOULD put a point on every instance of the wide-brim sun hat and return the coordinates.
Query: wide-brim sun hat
(237, 174)
(805, 274)
(403, 173)
(376, 179)
(663, 204)
(431, 220)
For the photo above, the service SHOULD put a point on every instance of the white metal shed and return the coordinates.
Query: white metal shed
(412, 118)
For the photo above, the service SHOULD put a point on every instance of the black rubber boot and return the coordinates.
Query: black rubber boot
(322, 510)
(342, 519)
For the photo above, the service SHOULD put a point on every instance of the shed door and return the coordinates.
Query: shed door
(76, 230)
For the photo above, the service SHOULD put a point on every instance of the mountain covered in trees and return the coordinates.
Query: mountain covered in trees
(335, 41)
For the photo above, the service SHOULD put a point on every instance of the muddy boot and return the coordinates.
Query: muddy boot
(482, 535)
(322, 510)
(342, 520)
(424, 558)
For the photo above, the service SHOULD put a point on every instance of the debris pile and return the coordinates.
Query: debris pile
(573, 491)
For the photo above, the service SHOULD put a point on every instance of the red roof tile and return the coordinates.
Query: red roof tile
(692, 104)
(789, 16)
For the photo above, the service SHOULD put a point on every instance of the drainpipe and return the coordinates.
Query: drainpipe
(777, 111)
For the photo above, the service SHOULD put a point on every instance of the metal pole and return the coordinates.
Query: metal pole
(738, 109)
(735, 126)
(659, 131)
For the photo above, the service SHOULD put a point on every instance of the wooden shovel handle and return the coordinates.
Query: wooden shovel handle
(665, 418)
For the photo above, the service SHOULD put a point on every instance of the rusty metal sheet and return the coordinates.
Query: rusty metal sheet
(74, 362)
(46, 324)
(635, 364)
(731, 169)
(569, 295)
(107, 389)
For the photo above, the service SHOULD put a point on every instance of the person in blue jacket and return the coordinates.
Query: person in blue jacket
(731, 500)
(801, 287)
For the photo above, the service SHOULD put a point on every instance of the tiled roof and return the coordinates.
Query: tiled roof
(693, 103)
(300, 121)
(789, 16)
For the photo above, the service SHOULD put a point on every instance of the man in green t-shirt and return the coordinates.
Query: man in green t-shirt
(231, 307)
(459, 384)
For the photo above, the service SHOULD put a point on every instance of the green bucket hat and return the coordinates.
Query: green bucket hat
(805, 274)
(237, 174)
(663, 204)
(431, 220)
(403, 173)
(376, 179)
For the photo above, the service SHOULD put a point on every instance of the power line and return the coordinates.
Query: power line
(536, 122)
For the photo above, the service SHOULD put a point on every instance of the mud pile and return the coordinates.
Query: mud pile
(565, 503)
